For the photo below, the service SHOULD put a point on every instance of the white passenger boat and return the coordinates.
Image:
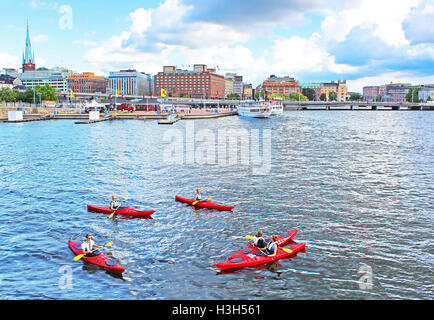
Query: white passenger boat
(254, 109)
(276, 107)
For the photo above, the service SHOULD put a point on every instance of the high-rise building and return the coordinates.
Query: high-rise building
(129, 82)
(201, 82)
(87, 82)
(238, 87)
(28, 56)
(279, 85)
(229, 86)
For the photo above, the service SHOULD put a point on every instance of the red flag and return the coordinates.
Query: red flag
(110, 96)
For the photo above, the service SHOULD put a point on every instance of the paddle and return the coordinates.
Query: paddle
(209, 199)
(81, 255)
(111, 216)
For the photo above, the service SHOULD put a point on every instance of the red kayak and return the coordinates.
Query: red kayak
(123, 211)
(207, 204)
(252, 256)
(100, 260)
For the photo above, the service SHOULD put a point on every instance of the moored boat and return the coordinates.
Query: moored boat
(276, 107)
(254, 109)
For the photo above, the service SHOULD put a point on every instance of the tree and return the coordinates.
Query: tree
(233, 96)
(355, 96)
(309, 93)
(277, 95)
(333, 96)
(295, 96)
(323, 97)
(413, 94)
(260, 95)
(429, 98)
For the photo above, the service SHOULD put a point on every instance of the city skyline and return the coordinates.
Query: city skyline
(309, 41)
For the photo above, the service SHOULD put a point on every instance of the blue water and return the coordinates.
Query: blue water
(357, 185)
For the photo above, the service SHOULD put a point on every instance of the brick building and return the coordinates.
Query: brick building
(201, 82)
(87, 82)
(279, 85)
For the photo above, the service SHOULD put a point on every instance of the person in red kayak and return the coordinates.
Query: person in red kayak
(88, 246)
(259, 241)
(114, 204)
(272, 246)
(198, 197)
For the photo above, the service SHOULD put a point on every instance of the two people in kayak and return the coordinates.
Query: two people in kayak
(89, 247)
(270, 249)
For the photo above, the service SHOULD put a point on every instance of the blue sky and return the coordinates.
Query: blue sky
(367, 42)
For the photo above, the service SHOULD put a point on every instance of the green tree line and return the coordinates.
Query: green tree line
(44, 93)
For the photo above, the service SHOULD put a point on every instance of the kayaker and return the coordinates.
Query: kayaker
(88, 246)
(198, 197)
(259, 241)
(272, 246)
(114, 204)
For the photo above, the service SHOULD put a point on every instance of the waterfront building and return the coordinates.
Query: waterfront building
(129, 82)
(28, 56)
(396, 92)
(339, 87)
(7, 81)
(315, 87)
(373, 93)
(87, 82)
(426, 93)
(10, 72)
(279, 85)
(238, 87)
(229, 86)
(201, 82)
(57, 78)
(248, 92)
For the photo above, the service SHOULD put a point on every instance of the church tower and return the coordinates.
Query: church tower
(28, 55)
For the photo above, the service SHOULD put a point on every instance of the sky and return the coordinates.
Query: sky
(366, 42)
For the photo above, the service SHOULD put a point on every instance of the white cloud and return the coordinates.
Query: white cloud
(40, 38)
(387, 16)
(296, 54)
(8, 61)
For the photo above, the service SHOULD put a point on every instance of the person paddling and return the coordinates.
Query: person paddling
(272, 246)
(259, 241)
(114, 204)
(198, 197)
(88, 246)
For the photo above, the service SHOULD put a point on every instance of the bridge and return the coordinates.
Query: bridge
(289, 105)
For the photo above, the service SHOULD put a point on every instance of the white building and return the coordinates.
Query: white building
(426, 92)
(56, 78)
(129, 82)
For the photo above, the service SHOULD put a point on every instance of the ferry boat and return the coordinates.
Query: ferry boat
(276, 107)
(254, 109)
